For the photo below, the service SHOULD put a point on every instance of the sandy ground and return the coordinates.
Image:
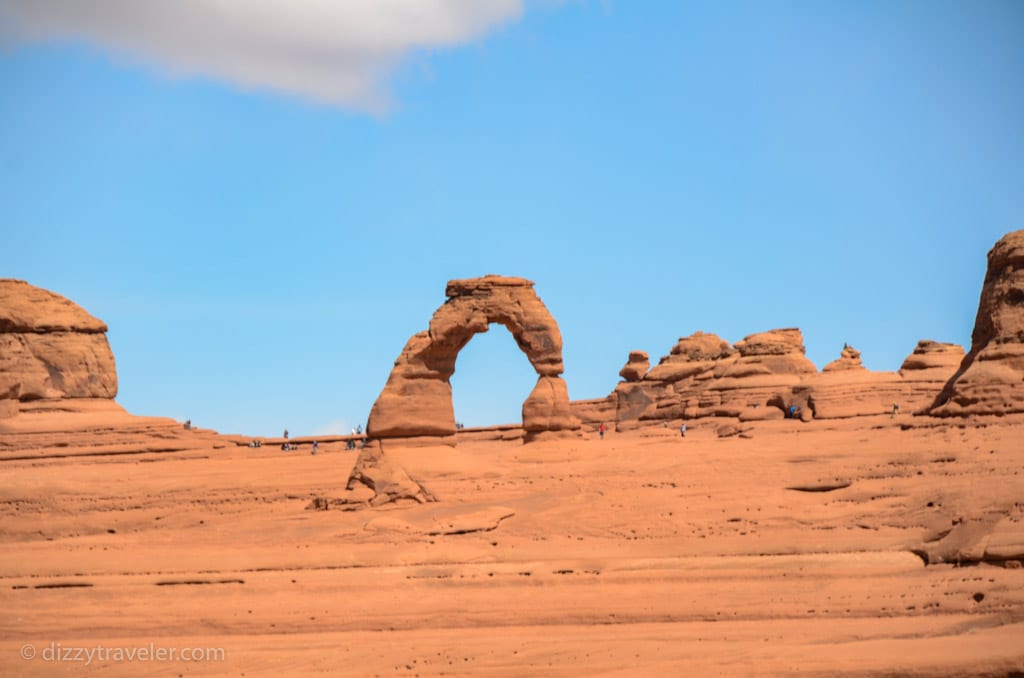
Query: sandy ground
(791, 552)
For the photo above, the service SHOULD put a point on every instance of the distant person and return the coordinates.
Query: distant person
(316, 446)
(682, 430)
(600, 431)
(188, 424)
(286, 434)
(792, 411)
(359, 430)
(895, 409)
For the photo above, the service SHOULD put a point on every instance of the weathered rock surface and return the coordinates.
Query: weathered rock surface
(704, 376)
(766, 375)
(593, 412)
(849, 359)
(51, 348)
(389, 482)
(547, 410)
(417, 399)
(636, 367)
(991, 378)
(856, 391)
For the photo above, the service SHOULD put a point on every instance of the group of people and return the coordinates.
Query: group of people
(287, 446)
(351, 444)
(682, 429)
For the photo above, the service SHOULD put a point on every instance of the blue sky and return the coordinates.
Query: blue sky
(262, 248)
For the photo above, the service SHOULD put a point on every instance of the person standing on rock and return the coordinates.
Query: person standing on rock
(316, 446)
(600, 431)
(895, 409)
(682, 429)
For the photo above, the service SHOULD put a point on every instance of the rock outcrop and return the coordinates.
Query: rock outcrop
(704, 376)
(636, 367)
(417, 399)
(50, 348)
(850, 390)
(991, 377)
(849, 359)
(767, 376)
(388, 481)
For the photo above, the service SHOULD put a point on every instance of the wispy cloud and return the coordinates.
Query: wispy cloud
(338, 52)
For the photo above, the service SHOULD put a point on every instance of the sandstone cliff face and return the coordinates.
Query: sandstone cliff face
(51, 348)
(417, 399)
(991, 378)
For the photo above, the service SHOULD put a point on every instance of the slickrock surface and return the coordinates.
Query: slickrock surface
(417, 399)
(823, 548)
(50, 348)
(991, 378)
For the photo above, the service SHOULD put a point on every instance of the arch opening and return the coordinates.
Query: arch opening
(492, 380)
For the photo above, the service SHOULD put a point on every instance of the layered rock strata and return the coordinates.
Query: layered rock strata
(768, 376)
(704, 376)
(50, 348)
(850, 390)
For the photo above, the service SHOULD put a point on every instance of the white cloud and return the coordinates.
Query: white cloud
(338, 52)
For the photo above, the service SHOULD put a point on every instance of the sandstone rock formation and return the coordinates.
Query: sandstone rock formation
(596, 411)
(850, 390)
(50, 348)
(704, 376)
(636, 367)
(762, 377)
(417, 399)
(849, 359)
(991, 377)
(389, 482)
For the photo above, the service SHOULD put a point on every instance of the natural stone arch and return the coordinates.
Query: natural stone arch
(417, 399)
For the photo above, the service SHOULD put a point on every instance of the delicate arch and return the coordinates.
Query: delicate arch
(417, 399)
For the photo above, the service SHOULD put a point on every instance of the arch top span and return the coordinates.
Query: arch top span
(417, 399)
